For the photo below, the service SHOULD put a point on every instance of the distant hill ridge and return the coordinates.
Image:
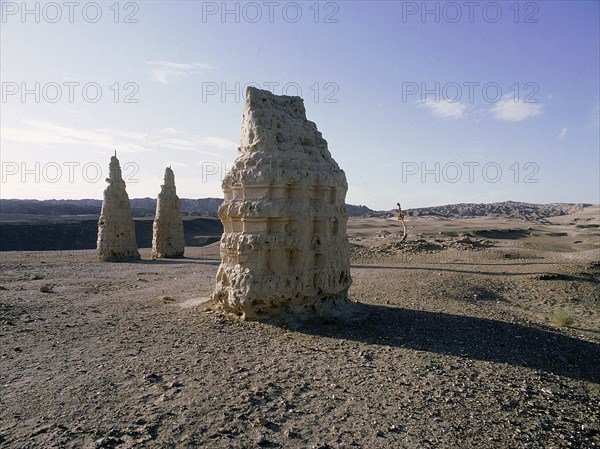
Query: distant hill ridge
(140, 207)
(208, 207)
(512, 209)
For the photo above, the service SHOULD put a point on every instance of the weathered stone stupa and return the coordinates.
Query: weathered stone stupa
(284, 249)
(167, 229)
(116, 230)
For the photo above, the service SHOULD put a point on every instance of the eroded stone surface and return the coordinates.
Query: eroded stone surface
(116, 230)
(284, 249)
(167, 230)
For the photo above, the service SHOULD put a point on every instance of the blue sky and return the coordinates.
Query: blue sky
(425, 103)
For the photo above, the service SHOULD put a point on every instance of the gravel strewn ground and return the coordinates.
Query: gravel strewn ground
(459, 350)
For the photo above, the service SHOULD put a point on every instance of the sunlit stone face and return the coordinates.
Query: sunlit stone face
(284, 248)
(116, 230)
(167, 230)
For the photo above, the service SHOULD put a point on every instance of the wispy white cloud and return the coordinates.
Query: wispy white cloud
(166, 72)
(509, 110)
(563, 133)
(446, 110)
(51, 135)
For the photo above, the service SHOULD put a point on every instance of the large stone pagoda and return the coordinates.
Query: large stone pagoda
(284, 249)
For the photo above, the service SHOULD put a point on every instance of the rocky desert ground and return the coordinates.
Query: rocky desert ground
(479, 332)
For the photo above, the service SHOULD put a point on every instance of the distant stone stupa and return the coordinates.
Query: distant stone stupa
(167, 230)
(284, 250)
(116, 230)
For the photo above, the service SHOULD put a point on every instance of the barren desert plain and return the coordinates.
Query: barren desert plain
(477, 332)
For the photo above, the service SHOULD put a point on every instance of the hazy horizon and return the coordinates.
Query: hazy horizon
(422, 103)
(352, 204)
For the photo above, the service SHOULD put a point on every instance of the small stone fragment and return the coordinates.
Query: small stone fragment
(153, 378)
(173, 384)
(261, 439)
(261, 422)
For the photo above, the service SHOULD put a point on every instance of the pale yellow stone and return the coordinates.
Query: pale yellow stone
(167, 230)
(284, 249)
(116, 229)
